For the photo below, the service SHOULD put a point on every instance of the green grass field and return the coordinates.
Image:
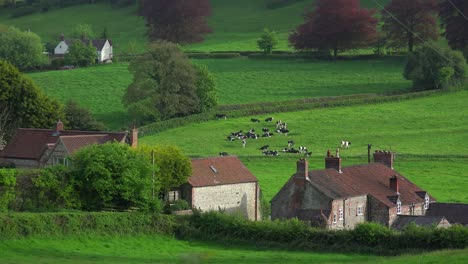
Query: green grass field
(239, 80)
(236, 24)
(427, 134)
(162, 249)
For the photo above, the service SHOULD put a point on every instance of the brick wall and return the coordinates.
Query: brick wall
(233, 198)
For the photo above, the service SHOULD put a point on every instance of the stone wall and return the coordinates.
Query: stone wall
(240, 198)
(24, 163)
(351, 217)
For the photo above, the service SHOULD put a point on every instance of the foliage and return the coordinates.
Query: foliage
(178, 205)
(434, 67)
(105, 34)
(418, 18)
(7, 188)
(178, 21)
(335, 25)
(455, 24)
(22, 104)
(111, 175)
(164, 85)
(54, 189)
(267, 41)
(206, 89)
(174, 168)
(82, 31)
(81, 53)
(79, 118)
(22, 49)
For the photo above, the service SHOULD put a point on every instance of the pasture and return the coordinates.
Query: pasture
(236, 24)
(239, 81)
(163, 249)
(426, 133)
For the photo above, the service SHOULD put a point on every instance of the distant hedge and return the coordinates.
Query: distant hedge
(7, 188)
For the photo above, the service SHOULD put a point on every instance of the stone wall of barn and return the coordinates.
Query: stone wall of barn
(24, 163)
(240, 198)
(377, 211)
(351, 213)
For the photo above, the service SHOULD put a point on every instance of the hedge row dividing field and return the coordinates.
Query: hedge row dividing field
(239, 80)
(425, 132)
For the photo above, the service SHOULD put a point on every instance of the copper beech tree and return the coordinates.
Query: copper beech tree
(408, 23)
(335, 25)
(454, 14)
(178, 21)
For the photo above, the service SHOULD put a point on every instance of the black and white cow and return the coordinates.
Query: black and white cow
(269, 119)
(255, 120)
(345, 144)
(219, 116)
(223, 154)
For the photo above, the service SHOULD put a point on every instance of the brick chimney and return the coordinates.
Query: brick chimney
(394, 184)
(134, 137)
(384, 157)
(302, 169)
(58, 126)
(333, 162)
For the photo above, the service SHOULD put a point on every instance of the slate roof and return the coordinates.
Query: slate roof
(455, 213)
(30, 144)
(219, 171)
(371, 179)
(97, 43)
(403, 221)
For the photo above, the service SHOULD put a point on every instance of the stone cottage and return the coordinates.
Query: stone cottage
(341, 197)
(35, 148)
(222, 183)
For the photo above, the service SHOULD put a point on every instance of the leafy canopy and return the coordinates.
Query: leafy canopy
(79, 118)
(81, 54)
(335, 25)
(178, 21)
(267, 41)
(455, 24)
(417, 16)
(22, 49)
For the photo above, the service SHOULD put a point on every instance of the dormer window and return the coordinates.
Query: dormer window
(426, 202)
(398, 207)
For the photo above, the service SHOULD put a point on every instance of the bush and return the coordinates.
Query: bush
(178, 205)
(371, 234)
(23, 11)
(434, 67)
(7, 188)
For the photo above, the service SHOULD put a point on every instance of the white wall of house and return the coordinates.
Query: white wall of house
(61, 48)
(106, 53)
(233, 198)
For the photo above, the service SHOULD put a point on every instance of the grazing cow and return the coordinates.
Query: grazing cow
(265, 129)
(270, 153)
(264, 147)
(219, 116)
(345, 144)
(283, 131)
(231, 138)
(244, 142)
(255, 120)
(308, 154)
(267, 134)
(290, 143)
(269, 119)
(302, 149)
(223, 154)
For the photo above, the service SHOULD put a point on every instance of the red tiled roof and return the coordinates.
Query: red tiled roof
(74, 143)
(371, 179)
(219, 171)
(30, 143)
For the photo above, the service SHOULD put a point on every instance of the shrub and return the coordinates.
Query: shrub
(7, 188)
(434, 67)
(371, 234)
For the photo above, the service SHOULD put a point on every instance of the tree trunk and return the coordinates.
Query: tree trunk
(335, 52)
(410, 42)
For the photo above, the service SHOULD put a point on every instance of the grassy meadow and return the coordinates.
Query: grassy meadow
(427, 134)
(236, 24)
(163, 249)
(239, 81)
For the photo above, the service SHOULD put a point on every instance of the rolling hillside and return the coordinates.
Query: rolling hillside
(236, 24)
(425, 132)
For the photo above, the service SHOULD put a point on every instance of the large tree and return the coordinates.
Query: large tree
(454, 16)
(179, 21)
(22, 49)
(166, 85)
(335, 25)
(408, 23)
(23, 104)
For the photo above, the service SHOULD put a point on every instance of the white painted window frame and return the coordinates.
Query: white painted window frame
(341, 214)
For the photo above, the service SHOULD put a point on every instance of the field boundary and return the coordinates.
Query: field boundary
(234, 111)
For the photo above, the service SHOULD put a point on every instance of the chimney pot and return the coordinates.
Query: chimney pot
(384, 157)
(134, 137)
(394, 184)
(58, 126)
(333, 162)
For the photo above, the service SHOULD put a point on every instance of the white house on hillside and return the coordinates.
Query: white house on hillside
(104, 50)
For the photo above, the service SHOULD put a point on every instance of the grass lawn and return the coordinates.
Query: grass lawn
(236, 24)
(239, 80)
(427, 134)
(162, 249)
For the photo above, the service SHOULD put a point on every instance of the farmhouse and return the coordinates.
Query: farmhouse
(341, 197)
(222, 183)
(104, 48)
(36, 148)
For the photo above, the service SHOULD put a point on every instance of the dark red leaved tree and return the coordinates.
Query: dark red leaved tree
(179, 21)
(454, 16)
(403, 19)
(335, 25)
